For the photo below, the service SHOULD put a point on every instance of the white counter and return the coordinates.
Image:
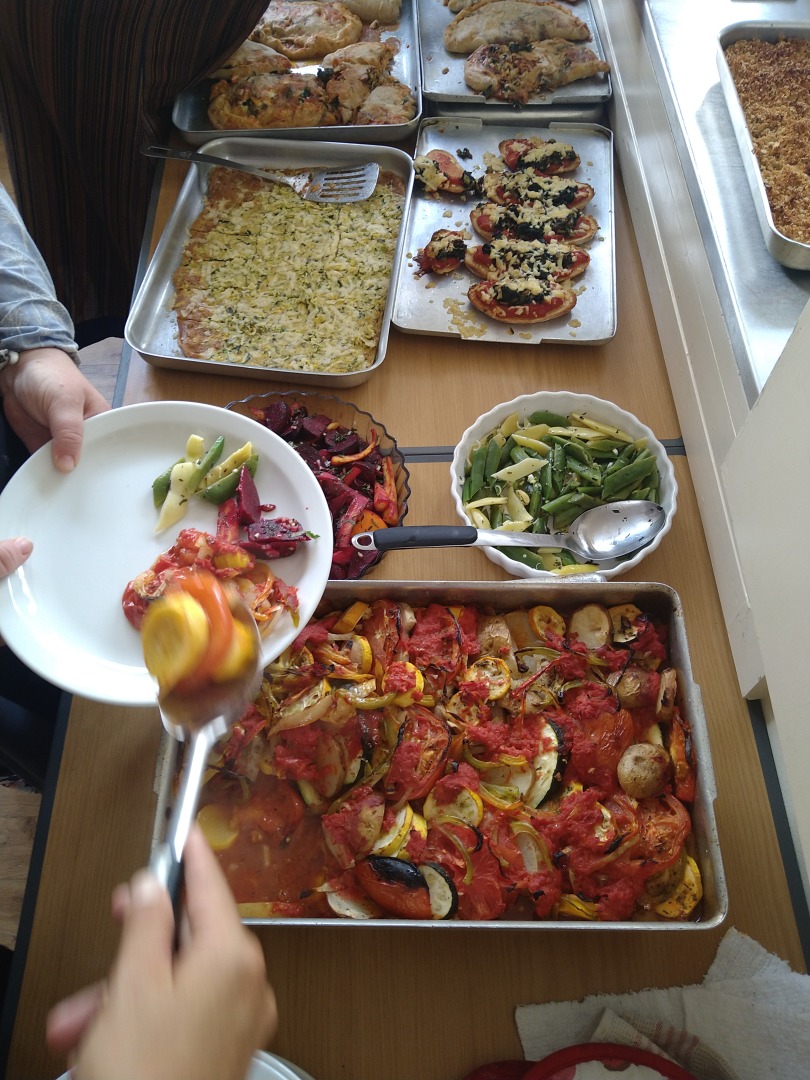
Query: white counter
(726, 312)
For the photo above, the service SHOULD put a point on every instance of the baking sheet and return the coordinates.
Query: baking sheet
(151, 328)
(657, 599)
(438, 304)
(443, 76)
(190, 111)
(790, 253)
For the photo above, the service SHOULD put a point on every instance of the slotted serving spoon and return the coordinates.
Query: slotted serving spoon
(202, 719)
(337, 184)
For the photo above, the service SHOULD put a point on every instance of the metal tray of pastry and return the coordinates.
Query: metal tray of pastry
(445, 90)
(190, 111)
(433, 304)
(151, 328)
(659, 600)
(791, 253)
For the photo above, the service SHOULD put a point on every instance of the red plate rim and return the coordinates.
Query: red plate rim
(597, 1051)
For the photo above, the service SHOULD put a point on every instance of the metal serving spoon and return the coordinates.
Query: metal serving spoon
(201, 718)
(598, 535)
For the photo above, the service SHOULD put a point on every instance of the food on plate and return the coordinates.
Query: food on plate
(306, 30)
(271, 280)
(238, 553)
(531, 257)
(358, 479)
(517, 298)
(545, 156)
(772, 79)
(389, 103)
(454, 762)
(533, 222)
(443, 253)
(253, 58)
(199, 473)
(518, 72)
(539, 473)
(511, 21)
(375, 11)
(439, 170)
(289, 99)
(191, 637)
(526, 186)
(377, 55)
(352, 86)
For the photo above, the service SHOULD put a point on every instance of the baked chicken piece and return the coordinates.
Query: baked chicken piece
(518, 72)
(517, 22)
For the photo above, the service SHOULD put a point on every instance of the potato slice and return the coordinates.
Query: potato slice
(592, 625)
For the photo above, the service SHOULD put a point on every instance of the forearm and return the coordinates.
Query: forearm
(30, 315)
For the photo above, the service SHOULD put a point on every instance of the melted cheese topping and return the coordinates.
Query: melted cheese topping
(270, 280)
(527, 186)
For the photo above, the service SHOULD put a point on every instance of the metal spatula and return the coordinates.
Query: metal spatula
(338, 184)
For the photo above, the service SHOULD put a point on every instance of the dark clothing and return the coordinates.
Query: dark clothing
(83, 84)
(28, 704)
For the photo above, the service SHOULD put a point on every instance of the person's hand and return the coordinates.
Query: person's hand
(46, 396)
(13, 553)
(201, 1013)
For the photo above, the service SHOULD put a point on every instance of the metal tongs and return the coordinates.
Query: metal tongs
(338, 184)
(202, 719)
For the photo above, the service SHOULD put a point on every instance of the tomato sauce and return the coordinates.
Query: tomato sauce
(279, 853)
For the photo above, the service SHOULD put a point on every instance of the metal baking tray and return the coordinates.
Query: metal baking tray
(151, 328)
(501, 596)
(790, 253)
(190, 111)
(430, 304)
(443, 84)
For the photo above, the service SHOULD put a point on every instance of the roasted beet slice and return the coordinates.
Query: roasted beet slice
(247, 498)
(275, 416)
(274, 538)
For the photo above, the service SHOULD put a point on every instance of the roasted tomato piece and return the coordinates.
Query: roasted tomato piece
(381, 629)
(397, 886)
(419, 756)
(351, 830)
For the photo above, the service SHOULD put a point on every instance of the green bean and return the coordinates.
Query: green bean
(587, 471)
(551, 418)
(633, 473)
(566, 502)
(495, 516)
(523, 555)
(578, 451)
(624, 457)
(493, 458)
(506, 450)
(558, 467)
(547, 482)
(520, 453)
(535, 499)
(477, 471)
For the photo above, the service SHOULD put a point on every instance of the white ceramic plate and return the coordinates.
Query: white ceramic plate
(564, 403)
(93, 531)
(263, 1066)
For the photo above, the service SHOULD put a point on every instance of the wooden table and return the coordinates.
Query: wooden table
(401, 1003)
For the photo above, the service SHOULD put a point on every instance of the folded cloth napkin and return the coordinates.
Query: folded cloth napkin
(747, 1020)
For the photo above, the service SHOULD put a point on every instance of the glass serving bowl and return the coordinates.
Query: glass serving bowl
(350, 417)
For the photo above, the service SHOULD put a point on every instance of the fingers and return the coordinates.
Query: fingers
(209, 900)
(69, 1020)
(146, 943)
(13, 553)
